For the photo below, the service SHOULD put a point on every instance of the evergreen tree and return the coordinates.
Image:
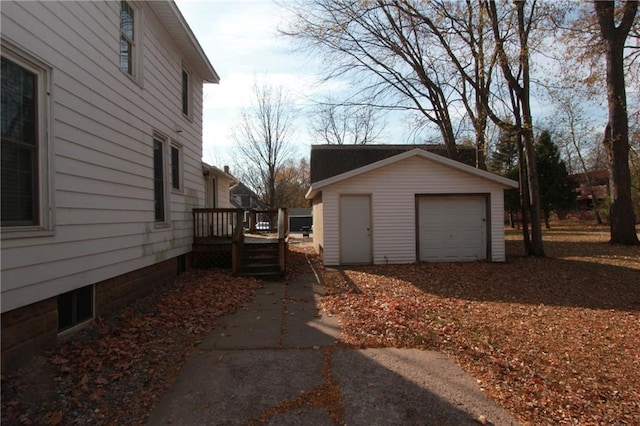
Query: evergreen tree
(504, 161)
(557, 191)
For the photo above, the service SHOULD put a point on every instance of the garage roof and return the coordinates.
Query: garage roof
(331, 160)
(316, 187)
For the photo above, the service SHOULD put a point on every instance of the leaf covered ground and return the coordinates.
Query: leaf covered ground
(114, 371)
(553, 340)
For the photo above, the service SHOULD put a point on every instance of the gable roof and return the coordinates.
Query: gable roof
(208, 168)
(179, 30)
(316, 187)
(331, 160)
(242, 190)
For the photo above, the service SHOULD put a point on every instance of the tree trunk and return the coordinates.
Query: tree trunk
(524, 198)
(536, 248)
(616, 140)
(545, 213)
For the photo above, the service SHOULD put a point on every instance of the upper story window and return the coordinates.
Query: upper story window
(186, 91)
(24, 165)
(127, 38)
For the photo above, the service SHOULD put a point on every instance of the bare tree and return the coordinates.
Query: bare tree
(292, 183)
(616, 138)
(516, 71)
(463, 34)
(386, 51)
(343, 124)
(570, 98)
(263, 139)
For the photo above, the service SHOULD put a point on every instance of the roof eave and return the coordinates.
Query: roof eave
(414, 152)
(181, 33)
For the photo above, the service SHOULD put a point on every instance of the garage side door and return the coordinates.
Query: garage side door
(452, 228)
(355, 229)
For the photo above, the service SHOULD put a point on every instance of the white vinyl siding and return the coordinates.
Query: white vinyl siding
(102, 136)
(393, 207)
(318, 224)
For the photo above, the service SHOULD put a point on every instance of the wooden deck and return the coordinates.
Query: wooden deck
(220, 240)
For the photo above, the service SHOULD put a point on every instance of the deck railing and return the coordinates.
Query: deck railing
(225, 226)
(215, 224)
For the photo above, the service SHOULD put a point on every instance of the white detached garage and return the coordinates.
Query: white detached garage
(414, 206)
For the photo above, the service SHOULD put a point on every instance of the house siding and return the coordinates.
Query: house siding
(318, 224)
(224, 201)
(102, 127)
(393, 189)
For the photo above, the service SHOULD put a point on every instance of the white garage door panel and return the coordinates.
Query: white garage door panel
(452, 228)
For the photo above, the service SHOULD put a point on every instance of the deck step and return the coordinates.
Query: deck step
(260, 260)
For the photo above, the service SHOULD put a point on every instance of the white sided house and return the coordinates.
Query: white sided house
(101, 160)
(217, 184)
(412, 206)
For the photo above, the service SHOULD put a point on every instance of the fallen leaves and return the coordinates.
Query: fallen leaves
(116, 370)
(553, 340)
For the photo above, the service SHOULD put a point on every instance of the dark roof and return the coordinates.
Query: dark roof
(331, 160)
(597, 177)
(299, 212)
(242, 189)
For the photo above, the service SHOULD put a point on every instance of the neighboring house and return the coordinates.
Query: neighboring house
(599, 188)
(242, 197)
(410, 206)
(300, 219)
(217, 184)
(101, 160)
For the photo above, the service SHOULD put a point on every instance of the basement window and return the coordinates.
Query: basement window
(75, 307)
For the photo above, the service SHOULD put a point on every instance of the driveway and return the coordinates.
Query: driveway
(278, 361)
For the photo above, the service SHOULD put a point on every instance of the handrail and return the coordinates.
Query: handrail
(237, 243)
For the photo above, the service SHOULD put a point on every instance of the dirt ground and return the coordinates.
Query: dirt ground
(553, 340)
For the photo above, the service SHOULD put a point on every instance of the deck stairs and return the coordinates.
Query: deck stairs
(260, 260)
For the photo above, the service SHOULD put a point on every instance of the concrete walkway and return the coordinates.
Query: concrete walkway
(277, 362)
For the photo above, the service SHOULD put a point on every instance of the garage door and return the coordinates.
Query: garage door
(452, 228)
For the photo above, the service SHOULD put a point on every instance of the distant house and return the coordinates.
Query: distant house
(242, 197)
(101, 149)
(403, 204)
(591, 196)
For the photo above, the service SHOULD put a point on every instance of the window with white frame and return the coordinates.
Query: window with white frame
(159, 190)
(186, 93)
(176, 167)
(24, 145)
(127, 38)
